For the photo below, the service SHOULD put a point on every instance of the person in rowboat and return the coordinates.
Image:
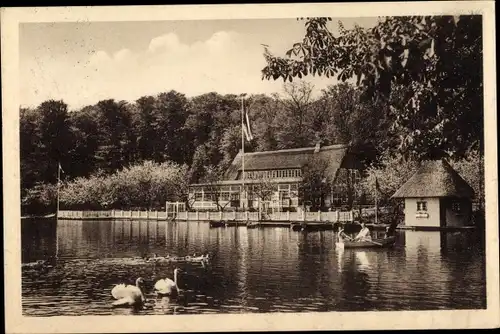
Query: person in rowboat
(342, 235)
(364, 234)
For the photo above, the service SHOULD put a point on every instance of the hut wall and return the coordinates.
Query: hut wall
(428, 218)
(458, 212)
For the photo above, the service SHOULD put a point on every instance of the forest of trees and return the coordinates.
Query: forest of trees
(417, 95)
(201, 133)
(424, 72)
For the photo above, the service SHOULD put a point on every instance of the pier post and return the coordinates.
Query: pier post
(288, 215)
(220, 215)
(197, 215)
(156, 214)
(319, 215)
(337, 215)
(246, 215)
(234, 214)
(147, 214)
(113, 213)
(130, 212)
(187, 215)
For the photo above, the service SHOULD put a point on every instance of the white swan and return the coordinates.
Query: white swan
(128, 295)
(167, 287)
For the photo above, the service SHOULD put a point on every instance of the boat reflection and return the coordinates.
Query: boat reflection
(362, 260)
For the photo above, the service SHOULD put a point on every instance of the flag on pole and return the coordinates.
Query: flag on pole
(246, 126)
(60, 168)
(245, 131)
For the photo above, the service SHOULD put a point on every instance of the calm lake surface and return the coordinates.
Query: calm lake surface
(252, 270)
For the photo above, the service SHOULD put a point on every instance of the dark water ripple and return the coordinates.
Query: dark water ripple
(253, 270)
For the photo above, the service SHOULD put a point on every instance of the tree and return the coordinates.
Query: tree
(428, 69)
(210, 117)
(39, 199)
(171, 113)
(148, 186)
(471, 169)
(391, 173)
(263, 112)
(85, 142)
(262, 190)
(316, 183)
(214, 188)
(54, 136)
(294, 130)
(30, 155)
(116, 141)
(350, 119)
(145, 122)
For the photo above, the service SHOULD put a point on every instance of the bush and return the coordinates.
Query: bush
(471, 169)
(146, 186)
(392, 172)
(41, 199)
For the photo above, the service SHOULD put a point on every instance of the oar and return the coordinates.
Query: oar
(376, 243)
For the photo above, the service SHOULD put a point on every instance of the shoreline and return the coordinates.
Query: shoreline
(292, 224)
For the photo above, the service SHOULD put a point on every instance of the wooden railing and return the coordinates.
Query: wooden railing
(332, 216)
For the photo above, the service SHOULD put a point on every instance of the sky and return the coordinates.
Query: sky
(85, 62)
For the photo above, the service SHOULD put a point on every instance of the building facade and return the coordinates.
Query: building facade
(436, 196)
(270, 181)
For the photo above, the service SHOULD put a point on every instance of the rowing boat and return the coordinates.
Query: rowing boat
(253, 224)
(217, 224)
(375, 243)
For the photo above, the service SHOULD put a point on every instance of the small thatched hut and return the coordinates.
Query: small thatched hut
(436, 196)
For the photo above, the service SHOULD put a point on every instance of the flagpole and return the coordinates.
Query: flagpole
(58, 180)
(376, 202)
(243, 151)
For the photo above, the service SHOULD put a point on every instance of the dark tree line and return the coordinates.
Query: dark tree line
(425, 70)
(200, 132)
(418, 95)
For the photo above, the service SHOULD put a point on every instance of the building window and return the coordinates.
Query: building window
(421, 206)
(198, 196)
(456, 207)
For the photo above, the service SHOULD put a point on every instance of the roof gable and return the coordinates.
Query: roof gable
(435, 179)
(287, 159)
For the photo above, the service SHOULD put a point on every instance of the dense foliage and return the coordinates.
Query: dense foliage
(201, 132)
(427, 70)
(410, 89)
(146, 186)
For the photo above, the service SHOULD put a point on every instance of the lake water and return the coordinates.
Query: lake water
(252, 270)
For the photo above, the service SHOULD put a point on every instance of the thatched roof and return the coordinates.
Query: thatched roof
(288, 159)
(435, 179)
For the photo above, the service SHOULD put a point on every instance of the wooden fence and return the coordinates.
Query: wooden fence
(333, 216)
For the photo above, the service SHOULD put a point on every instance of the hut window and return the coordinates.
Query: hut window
(421, 206)
(456, 207)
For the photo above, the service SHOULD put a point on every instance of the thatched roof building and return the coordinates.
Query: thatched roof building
(335, 155)
(435, 179)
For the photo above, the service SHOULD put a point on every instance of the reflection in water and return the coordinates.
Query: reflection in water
(253, 270)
